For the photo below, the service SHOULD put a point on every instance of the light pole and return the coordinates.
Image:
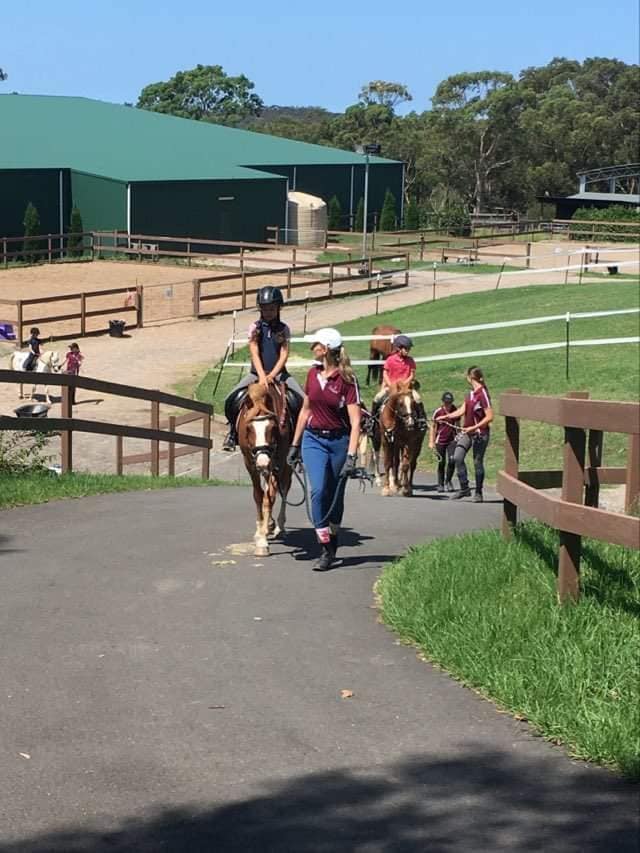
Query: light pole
(370, 149)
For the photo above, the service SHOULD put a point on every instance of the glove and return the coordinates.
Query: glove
(349, 465)
(293, 456)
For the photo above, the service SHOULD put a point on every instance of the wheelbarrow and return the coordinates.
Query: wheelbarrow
(32, 410)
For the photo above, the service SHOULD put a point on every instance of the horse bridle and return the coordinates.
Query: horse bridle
(267, 449)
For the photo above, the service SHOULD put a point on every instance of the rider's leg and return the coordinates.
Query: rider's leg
(293, 385)
(421, 415)
(378, 402)
(231, 438)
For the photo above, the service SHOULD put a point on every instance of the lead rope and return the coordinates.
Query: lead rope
(357, 474)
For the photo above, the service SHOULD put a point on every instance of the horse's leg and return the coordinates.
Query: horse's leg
(387, 451)
(284, 486)
(261, 545)
(405, 476)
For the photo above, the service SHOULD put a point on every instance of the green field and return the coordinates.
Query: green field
(608, 372)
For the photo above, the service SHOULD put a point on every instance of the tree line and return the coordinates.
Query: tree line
(491, 140)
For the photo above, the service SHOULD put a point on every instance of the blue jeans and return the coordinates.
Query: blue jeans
(323, 459)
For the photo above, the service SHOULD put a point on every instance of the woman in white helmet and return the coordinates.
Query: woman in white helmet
(327, 432)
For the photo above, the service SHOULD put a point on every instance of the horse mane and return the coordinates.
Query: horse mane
(260, 401)
(400, 388)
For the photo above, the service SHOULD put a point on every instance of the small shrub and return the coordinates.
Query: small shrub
(31, 222)
(412, 216)
(388, 213)
(22, 452)
(334, 212)
(359, 223)
(75, 241)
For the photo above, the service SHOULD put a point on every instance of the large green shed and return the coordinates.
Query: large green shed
(146, 173)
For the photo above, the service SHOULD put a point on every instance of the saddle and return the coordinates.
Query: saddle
(287, 405)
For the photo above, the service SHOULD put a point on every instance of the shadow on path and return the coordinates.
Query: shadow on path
(477, 801)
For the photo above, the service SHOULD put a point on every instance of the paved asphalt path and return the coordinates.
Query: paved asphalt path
(153, 699)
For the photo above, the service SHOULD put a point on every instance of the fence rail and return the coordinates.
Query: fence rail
(155, 433)
(575, 513)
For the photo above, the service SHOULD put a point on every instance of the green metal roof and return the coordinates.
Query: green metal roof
(127, 144)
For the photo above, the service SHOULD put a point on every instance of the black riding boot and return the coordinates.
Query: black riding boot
(326, 558)
(231, 439)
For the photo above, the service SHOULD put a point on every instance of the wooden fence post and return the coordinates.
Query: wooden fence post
(406, 272)
(511, 467)
(243, 303)
(155, 445)
(632, 490)
(49, 257)
(83, 314)
(331, 275)
(196, 297)
(528, 256)
(66, 437)
(5, 259)
(572, 491)
(206, 433)
(119, 454)
(422, 247)
(140, 306)
(288, 282)
(594, 461)
(171, 471)
(20, 323)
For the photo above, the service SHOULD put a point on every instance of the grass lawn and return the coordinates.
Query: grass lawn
(608, 372)
(329, 257)
(486, 612)
(38, 488)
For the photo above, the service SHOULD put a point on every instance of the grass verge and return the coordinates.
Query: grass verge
(38, 488)
(486, 611)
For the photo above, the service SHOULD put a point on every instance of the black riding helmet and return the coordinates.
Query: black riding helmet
(269, 296)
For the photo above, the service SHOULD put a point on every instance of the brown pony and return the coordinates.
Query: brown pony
(378, 350)
(264, 437)
(401, 440)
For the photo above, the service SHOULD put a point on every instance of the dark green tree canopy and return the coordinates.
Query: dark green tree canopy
(204, 93)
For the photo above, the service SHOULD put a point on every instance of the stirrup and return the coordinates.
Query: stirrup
(230, 442)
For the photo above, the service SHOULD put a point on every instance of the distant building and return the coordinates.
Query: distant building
(141, 172)
(619, 183)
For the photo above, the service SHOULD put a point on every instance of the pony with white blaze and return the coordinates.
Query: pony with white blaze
(265, 430)
(48, 362)
(401, 438)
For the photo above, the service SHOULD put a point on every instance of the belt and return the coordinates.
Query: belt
(329, 433)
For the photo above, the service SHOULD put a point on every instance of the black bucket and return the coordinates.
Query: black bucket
(32, 410)
(116, 328)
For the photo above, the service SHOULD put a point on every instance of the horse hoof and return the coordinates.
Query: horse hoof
(261, 551)
(386, 491)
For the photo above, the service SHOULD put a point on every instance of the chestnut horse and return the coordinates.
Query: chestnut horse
(379, 349)
(401, 440)
(264, 437)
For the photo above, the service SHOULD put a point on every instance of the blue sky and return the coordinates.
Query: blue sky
(111, 50)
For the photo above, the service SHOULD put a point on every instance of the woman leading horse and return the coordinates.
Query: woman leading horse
(328, 432)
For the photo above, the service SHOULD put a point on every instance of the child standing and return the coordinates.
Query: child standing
(72, 362)
(442, 439)
(269, 349)
(399, 367)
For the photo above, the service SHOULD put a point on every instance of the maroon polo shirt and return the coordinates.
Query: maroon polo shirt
(329, 398)
(476, 404)
(445, 432)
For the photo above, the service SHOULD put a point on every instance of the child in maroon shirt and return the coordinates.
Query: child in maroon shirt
(72, 361)
(442, 439)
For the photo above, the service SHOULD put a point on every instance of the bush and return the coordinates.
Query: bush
(334, 211)
(75, 241)
(31, 222)
(22, 452)
(412, 216)
(614, 214)
(388, 213)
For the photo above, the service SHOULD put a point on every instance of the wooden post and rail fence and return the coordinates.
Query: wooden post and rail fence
(159, 431)
(575, 513)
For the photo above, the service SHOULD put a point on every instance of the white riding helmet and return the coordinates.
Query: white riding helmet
(329, 338)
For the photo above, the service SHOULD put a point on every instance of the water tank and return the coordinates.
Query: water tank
(307, 220)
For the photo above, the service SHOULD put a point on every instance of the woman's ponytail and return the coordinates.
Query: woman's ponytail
(477, 374)
(339, 358)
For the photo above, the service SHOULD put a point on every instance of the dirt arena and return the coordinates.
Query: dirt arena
(172, 354)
